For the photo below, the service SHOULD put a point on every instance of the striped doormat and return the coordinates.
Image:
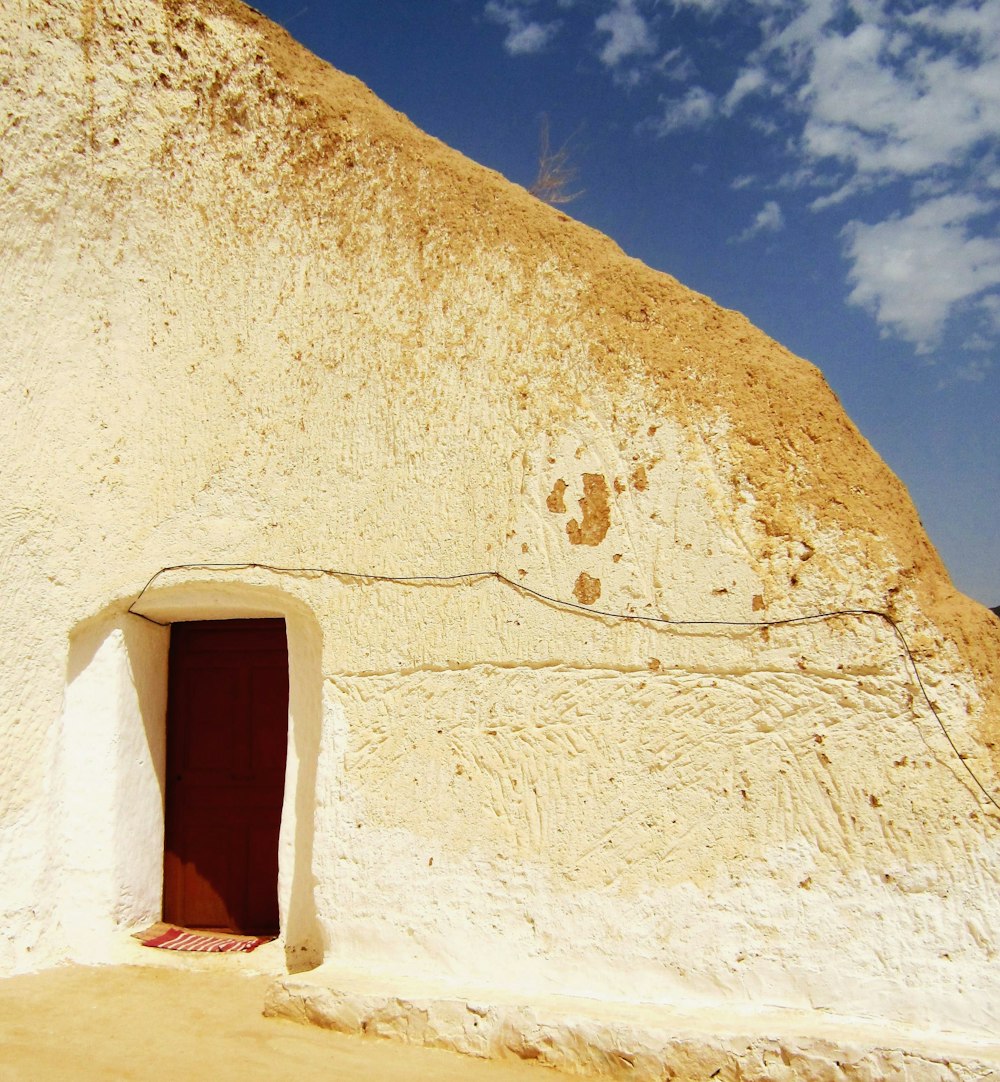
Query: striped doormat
(170, 937)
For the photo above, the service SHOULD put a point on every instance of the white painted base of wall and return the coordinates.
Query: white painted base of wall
(641, 1042)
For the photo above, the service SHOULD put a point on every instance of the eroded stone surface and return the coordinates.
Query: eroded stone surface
(613, 1041)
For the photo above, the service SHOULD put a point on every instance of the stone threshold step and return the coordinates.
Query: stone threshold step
(640, 1042)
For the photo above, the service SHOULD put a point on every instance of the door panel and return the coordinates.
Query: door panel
(227, 733)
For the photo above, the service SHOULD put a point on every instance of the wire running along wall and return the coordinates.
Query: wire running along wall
(574, 607)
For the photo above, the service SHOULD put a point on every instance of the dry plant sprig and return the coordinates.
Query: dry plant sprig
(556, 173)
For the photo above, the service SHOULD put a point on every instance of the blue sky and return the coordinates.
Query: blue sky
(830, 168)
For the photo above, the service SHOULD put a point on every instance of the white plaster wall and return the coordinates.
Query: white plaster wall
(715, 831)
(107, 807)
(250, 314)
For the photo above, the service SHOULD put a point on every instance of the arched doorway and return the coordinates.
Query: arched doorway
(227, 733)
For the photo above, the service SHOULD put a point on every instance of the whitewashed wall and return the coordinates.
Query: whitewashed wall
(250, 314)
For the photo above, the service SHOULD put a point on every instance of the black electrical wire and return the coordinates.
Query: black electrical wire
(476, 576)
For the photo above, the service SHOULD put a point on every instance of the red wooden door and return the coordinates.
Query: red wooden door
(227, 728)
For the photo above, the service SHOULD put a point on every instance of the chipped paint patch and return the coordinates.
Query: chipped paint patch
(595, 512)
(556, 501)
(587, 589)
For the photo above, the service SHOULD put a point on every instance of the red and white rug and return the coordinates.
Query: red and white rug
(170, 937)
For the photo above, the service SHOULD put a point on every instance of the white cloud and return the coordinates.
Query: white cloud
(972, 23)
(794, 39)
(840, 194)
(749, 81)
(695, 109)
(975, 371)
(764, 125)
(530, 38)
(743, 181)
(707, 7)
(990, 307)
(675, 65)
(882, 115)
(979, 343)
(769, 219)
(899, 93)
(895, 93)
(930, 188)
(629, 32)
(524, 36)
(913, 271)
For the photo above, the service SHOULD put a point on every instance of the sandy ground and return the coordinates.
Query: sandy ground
(157, 1022)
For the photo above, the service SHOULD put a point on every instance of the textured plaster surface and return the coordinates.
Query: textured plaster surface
(251, 314)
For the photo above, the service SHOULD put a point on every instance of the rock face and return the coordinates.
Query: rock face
(253, 316)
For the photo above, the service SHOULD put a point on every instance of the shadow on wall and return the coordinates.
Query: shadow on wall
(110, 767)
